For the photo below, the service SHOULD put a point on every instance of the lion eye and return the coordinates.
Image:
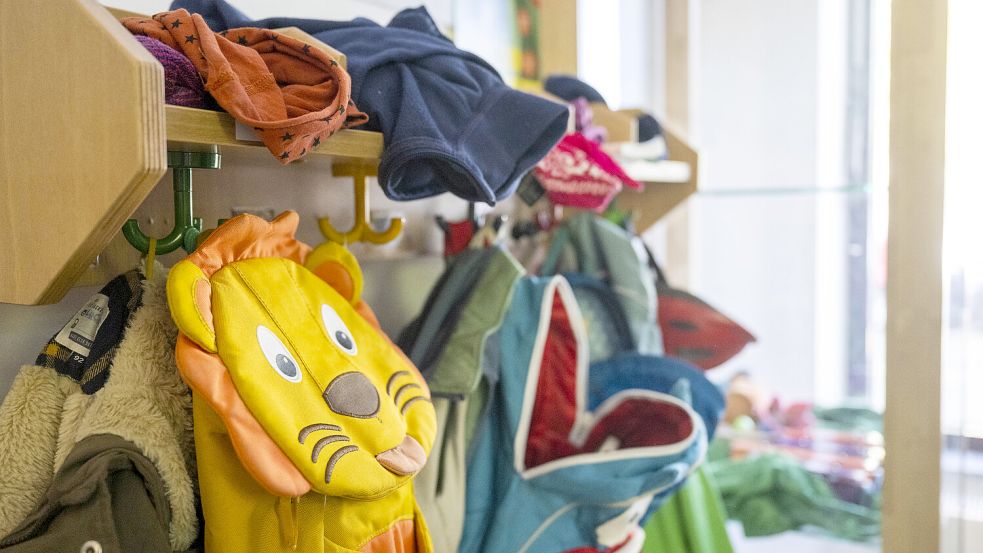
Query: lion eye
(337, 330)
(277, 355)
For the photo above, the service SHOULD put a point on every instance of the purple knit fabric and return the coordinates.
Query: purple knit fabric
(182, 85)
(583, 116)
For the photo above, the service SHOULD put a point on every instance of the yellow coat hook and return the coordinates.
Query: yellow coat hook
(361, 230)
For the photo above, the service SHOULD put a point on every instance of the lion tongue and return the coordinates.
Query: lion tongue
(405, 459)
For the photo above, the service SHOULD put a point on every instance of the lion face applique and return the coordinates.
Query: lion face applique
(276, 340)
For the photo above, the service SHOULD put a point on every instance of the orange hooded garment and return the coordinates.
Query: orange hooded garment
(293, 95)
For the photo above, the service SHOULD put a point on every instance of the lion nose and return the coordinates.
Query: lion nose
(351, 394)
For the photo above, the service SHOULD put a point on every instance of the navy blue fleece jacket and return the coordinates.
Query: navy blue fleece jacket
(449, 122)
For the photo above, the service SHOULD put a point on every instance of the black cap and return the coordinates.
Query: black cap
(648, 128)
(570, 88)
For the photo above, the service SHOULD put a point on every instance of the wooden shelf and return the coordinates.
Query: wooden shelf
(669, 189)
(74, 166)
(79, 158)
(622, 126)
(558, 54)
(658, 172)
(197, 129)
(194, 128)
(667, 183)
(76, 157)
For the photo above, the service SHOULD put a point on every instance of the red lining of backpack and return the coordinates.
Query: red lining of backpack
(635, 422)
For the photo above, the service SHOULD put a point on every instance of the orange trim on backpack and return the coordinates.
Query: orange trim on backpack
(267, 464)
(249, 238)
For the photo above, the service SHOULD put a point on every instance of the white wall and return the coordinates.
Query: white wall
(766, 109)
(962, 380)
(619, 50)
(486, 29)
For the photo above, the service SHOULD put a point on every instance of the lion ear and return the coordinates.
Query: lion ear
(334, 264)
(189, 295)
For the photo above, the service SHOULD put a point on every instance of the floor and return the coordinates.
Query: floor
(799, 542)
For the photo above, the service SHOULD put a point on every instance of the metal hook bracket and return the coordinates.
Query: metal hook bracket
(361, 230)
(186, 227)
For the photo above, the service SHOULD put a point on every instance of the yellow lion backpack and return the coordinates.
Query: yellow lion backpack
(309, 423)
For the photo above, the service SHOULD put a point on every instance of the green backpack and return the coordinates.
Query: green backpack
(595, 247)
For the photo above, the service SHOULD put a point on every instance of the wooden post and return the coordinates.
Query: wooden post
(678, 13)
(912, 425)
(678, 20)
(558, 37)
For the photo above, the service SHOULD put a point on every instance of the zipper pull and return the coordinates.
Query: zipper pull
(287, 514)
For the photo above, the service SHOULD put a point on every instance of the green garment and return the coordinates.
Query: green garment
(423, 339)
(106, 493)
(452, 343)
(590, 245)
(772, 493)
(439, 488)
(467, 358)
(849, 419)
(692, 521)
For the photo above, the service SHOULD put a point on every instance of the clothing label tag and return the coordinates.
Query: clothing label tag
(246, 133)
(530, 190)
(79, 334)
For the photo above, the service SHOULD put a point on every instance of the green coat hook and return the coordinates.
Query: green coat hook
(186, 227)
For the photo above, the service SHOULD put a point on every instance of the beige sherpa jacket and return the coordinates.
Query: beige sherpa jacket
(143, 401)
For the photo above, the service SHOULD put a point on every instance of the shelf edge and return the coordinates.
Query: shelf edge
(198, 127)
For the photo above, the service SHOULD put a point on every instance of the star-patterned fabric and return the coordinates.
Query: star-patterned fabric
(292, 95)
